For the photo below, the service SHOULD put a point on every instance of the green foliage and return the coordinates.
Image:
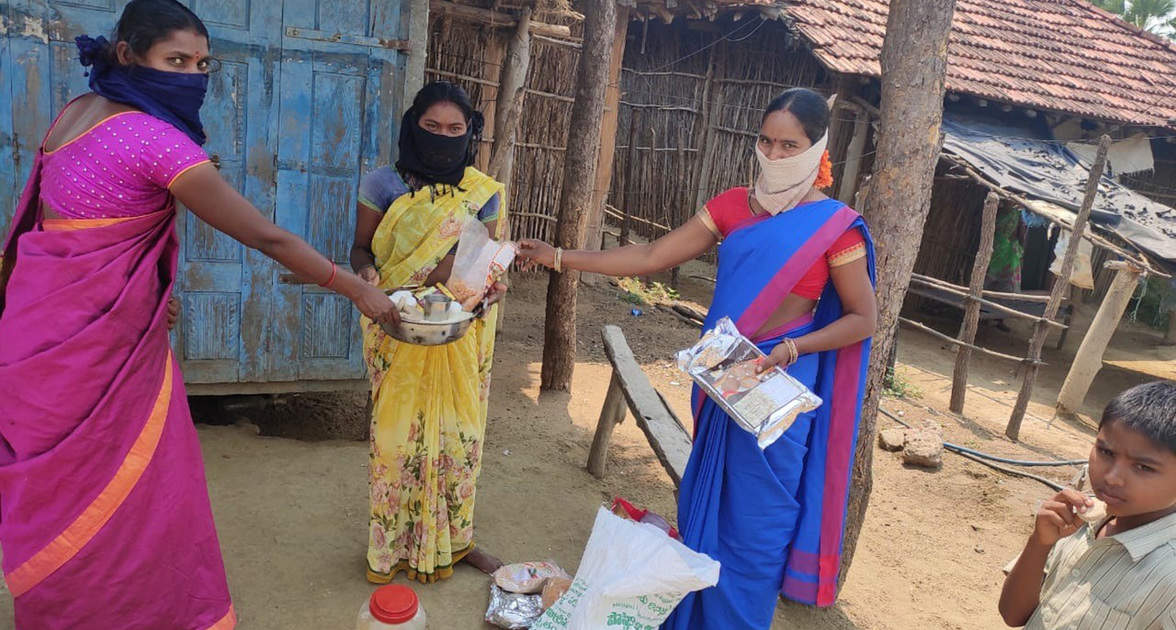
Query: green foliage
(896, 385)
(1155, 16)
(637, 292)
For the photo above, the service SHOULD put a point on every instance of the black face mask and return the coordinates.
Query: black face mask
(432, 157)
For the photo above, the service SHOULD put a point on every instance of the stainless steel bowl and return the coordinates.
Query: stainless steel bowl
(431, 333)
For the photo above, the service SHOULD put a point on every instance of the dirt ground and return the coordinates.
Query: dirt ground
(292, 513)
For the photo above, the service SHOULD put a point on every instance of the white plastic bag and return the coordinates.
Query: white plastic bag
(480, 261)
(632, 575)
(1082, 275)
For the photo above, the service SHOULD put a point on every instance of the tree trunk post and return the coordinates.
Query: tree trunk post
(1040, 330)
(608, 136)
(959, 377)
(559, 338)
(1088, 361)
(509, 106)
(914, 65)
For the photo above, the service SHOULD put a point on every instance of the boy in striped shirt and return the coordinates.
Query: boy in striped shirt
(1118, 571)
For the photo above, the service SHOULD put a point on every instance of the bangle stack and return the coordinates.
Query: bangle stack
(331, 279)
(793, 352)
(558, 260)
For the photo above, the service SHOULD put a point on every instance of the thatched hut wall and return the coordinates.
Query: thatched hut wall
(952, 233)
(471, 54)
(692, 99)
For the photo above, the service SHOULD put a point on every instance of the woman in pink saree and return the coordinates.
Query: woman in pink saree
(104, 513)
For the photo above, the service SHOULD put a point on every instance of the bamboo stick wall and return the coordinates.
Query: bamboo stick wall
(681, 137)
(691, 106)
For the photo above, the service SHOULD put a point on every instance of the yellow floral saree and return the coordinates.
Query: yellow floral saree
(429, 403)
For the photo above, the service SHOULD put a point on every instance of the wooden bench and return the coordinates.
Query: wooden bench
(630, 388)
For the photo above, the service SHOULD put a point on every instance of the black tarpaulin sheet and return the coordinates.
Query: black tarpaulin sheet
(1014, 158)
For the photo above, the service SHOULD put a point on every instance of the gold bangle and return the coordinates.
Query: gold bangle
(559, 259)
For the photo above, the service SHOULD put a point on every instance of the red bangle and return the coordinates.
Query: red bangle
(334, 270)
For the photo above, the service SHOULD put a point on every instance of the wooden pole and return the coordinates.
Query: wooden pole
(492, 66)
(498, 19)
(853, 157)
(959, 378)
(956, 342)
(611, 414)
(509, 106)
(608, 137)
(947, 287)
(559, 339)
(630, 184)
(914, 68)
(1088, 361)
(1060, 286)
(713, 109)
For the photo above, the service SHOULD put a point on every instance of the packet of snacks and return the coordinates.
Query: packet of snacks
(723, 363)
(480, 261)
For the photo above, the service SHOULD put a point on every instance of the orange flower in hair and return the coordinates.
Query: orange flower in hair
(825, 173)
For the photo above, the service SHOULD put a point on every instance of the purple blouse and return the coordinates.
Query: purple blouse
(120, 167)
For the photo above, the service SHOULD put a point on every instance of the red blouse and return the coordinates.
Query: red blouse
(732, 209)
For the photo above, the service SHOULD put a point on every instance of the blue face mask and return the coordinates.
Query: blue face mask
(174, 97)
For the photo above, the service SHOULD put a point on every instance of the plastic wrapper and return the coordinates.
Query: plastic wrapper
(626, 510)
(554, 589)
(513, 610)
(527, 577)
(631, 576)
(480, 261)
(429, 304)
(407, 305)
(723, 363)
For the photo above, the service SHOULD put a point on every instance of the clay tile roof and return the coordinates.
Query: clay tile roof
(1060, 55)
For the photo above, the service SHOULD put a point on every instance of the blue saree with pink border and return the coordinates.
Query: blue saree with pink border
(774, 517)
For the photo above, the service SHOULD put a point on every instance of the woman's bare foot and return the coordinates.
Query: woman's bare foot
(482, 561)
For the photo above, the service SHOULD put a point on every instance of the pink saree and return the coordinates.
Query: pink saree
(104, 514)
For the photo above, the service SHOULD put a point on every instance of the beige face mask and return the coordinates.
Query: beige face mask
(784, 182)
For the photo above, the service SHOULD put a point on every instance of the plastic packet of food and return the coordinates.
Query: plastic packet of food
(480, 261)
(724, 365)
(554, 589)
(527, 577)
(407, 305)
(513, 611)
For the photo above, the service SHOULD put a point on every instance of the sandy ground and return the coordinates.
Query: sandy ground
(292, 513)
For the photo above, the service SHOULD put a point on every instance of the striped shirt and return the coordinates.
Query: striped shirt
(1121, 582)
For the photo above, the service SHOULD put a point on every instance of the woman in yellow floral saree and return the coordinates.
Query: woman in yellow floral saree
(429, 403)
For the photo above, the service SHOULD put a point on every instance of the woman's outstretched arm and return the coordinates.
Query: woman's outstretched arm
(685, 243)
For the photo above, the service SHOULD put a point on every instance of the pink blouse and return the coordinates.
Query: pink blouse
(120, 167)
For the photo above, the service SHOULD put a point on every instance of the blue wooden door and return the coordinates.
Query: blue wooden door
(338, 119)
(298, 110)
(223, 286)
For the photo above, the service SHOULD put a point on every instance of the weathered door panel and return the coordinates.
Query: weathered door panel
(337, 118)
(331, 70)
(224, 285)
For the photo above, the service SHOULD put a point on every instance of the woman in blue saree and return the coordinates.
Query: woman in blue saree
(796, 273)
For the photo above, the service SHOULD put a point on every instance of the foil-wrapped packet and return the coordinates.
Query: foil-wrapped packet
(513, 611)
(724, 364)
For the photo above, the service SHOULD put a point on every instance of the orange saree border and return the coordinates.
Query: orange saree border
(69, 542)
(72, 225)
(228, 622)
